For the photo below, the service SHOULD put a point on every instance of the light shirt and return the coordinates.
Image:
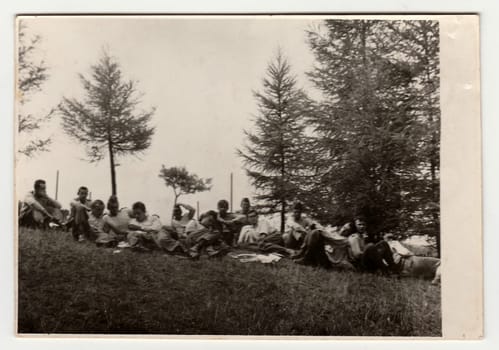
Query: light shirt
(300, 227)
(251, 234)
(30, 201)
(357, 245)
(150, 223)
(180, 225)
(96, 223)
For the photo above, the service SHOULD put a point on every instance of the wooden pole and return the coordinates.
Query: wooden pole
(197, 209)
(231, 190)
(56, 184)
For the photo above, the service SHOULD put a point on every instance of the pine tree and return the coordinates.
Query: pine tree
(274, 153)
(107, 120)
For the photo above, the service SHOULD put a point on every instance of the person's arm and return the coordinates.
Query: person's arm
(109, 226)
(55, 203)
(154, 227)
(31, 201)
(190, 209)
(133, 225)
(78, 204)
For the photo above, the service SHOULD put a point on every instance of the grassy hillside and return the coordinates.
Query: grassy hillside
(68, 287)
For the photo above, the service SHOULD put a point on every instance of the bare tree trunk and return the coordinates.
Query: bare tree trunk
(113, 168)
(283, 215)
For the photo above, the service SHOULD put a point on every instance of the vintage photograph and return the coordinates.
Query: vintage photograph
(228, 176)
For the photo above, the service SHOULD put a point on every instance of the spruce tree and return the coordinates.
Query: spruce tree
(274, 153)
(366, 131)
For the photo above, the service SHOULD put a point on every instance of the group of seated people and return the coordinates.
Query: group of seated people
(307, 242)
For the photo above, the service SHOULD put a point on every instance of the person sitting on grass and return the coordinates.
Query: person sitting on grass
(38, 209)
(297, 226)
(369, 252)
(257, 229)
(203, 237)
(143, 229)
(208, 238)
(91, 225)
(242, 214)
(179, 220)
(115, 224)
(261, 236)
(78, 218)
(230, 222)
(95, 220)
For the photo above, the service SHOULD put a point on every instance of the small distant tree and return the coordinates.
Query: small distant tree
(106, 121)
(182, 182)
(30, 78)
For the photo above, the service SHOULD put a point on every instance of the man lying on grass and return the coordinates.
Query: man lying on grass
(355, 252)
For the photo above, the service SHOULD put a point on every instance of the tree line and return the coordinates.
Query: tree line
(370, 144)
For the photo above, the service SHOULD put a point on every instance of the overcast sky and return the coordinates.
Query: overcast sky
(199, 74)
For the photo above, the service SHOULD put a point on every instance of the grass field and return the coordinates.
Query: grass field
(68, 287)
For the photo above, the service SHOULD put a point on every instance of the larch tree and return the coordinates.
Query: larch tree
(108, 121)
(31, 75)
(274, 152)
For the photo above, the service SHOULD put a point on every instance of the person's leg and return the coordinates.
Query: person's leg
(81, 228)
(165, 239)
(378, 256)
(228, 237)
(313, 251)
(291, 242)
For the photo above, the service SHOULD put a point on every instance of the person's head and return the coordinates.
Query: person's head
(97, 208)
(252, 217)
(245, 205)
(360, 224)
(40, 188)
(208, 219)
(82, 193)
(113, 205)
(139, 211)
(297, 210)
(223, 207)
(177, 212)
(347, 229)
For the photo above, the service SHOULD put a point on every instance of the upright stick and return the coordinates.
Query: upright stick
(231, 183)
(56, 184)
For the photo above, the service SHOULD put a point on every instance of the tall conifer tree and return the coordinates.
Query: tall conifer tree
(274, 153)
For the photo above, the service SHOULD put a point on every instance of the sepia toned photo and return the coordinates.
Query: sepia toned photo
(229, 175)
